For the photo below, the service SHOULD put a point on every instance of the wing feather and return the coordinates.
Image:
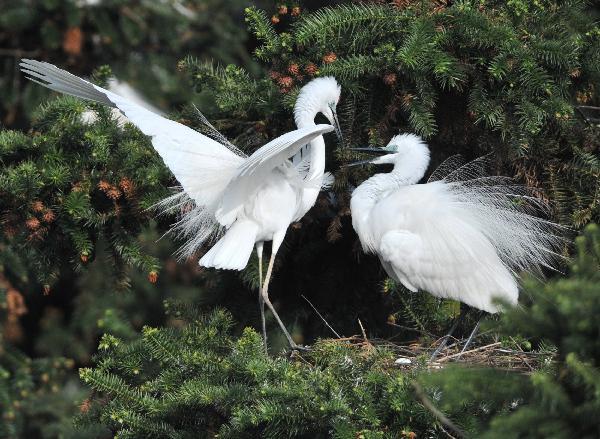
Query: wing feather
(202, 165)
(252, 173)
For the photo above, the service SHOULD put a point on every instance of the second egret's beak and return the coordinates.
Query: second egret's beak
(359, 163)
(371, 150)
(368, 150)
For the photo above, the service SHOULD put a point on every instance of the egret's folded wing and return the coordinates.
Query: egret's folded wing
(256, 168)
(202, 165)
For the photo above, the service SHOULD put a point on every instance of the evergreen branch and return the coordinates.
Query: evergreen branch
(352, 67)
(116, 387)
(344, 19)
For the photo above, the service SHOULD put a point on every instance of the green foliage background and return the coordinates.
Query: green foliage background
(142, 40)
(473, 77)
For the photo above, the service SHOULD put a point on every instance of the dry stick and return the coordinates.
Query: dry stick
(408, 328)
(446, 433)
(481, 348)
(364, 334)
(322, 318)
(436, 412)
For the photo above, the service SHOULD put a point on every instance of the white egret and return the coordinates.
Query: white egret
(251, 199)
(462, 235)
(321, 95)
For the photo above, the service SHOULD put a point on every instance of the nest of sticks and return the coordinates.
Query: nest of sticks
(449, 350)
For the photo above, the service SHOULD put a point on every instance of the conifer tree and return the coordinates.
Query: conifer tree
(84, 34)
(175, 382)
(559, 400)
(473, 77)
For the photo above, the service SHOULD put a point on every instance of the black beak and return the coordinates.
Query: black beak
(368, 150)
(371, 150)
(336, 125)
(359, 163)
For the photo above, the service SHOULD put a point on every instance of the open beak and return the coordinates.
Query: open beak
(359, 163)
(369, 150)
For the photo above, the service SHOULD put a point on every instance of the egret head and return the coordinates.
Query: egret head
(321, 95)
(406, 150)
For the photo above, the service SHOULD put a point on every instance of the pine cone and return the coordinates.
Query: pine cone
(37, 206)
(33, 223)
(311, 69)
(275, 19)
(153, 277)
(113, 193)
(329, 58)
(73, 41)
(85, 406)
(294, 69)
(282, 10)
(390, 79)
(48, 216)
(127, 186)
(104, 185)
(286, 81)
(295, 11)
(15, 304)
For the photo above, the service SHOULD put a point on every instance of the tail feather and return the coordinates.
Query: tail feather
(233, 250)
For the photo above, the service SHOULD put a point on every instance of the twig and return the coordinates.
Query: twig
(364, 334)
(447, 433)
(436, 412)
(322, 318)
(481, 348)
(368, 345)
(408, 328)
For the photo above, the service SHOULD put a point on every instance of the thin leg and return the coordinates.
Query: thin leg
(261, 302)
(445, 340)
(265, 291)
(470, 339)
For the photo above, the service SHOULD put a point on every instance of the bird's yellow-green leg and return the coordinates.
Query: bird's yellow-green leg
(261, 302)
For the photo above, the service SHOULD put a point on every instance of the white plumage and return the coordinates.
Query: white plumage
(462, 235)
(251, 199)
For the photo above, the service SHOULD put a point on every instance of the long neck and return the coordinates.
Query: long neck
(305, 112)
(408, 172)
(364, 198)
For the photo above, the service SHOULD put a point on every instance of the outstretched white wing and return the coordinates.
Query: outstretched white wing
(202, 165)
(256, 168)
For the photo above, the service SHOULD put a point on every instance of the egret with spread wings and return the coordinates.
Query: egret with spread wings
(241, 200)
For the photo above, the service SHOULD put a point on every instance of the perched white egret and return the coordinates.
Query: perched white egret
(251, 199)
(462, 235)
(321, 95)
